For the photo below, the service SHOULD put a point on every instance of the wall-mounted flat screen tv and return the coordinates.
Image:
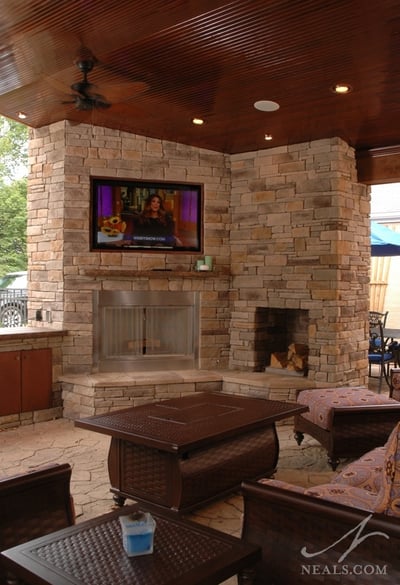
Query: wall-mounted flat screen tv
(142, 215)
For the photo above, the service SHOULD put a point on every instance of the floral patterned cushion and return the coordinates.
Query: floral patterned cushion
(321, 401)
(365, 472)
(395, 381)
(388, 497)
(370, 483)
(378, 473)
(283, 485)
(346, 495)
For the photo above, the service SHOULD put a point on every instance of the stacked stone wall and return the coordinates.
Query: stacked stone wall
(63, 157)
(288, 227)
(300, 240)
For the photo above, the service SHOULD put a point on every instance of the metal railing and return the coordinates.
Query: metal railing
(13, 307)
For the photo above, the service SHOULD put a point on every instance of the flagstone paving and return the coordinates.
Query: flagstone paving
(26, 447)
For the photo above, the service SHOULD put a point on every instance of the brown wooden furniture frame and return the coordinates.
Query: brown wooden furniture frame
(184, 452)
(354, 430)
(33, 504)
(282, 522)
(185, 553)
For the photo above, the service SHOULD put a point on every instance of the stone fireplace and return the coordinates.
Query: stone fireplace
(287, 227)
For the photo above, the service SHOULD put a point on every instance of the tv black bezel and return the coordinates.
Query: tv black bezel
(97, 246)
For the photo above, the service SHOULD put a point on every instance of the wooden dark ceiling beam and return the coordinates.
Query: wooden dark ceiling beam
(379, 165)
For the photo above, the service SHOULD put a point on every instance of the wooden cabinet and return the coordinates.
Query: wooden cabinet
(10, 382)
(25, 380)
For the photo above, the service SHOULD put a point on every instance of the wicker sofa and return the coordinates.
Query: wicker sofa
(347, 421)
(346, 531)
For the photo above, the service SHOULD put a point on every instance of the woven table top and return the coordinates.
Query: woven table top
(194, 420)
(92, 553)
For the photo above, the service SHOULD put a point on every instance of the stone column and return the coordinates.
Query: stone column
(300, 240)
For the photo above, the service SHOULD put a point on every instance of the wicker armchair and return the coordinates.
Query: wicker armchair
(345, 531)
(287, 524)
(34, 504)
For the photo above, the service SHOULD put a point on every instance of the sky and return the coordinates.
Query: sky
(385, 202)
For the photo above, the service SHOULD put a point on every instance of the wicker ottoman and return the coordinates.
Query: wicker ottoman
(347, 421)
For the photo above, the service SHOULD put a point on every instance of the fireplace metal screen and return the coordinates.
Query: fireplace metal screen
(145, 330)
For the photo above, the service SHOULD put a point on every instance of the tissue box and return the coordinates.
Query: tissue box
(138, 533)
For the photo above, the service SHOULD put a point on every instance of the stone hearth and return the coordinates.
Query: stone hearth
(100, 393)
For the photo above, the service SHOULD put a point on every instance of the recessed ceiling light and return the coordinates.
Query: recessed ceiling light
(266, 106)
(267, 136)
(22, 115)
(197, 121)
(341, 88)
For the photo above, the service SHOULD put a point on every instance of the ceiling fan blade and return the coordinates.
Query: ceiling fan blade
(82, 87)
(105, 87)
(101, 103)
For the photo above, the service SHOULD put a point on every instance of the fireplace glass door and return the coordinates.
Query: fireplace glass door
(145, 330)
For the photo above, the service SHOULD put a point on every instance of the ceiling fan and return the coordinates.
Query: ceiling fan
(84, 98)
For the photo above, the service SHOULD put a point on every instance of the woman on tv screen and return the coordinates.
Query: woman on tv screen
(143, 215)
(154, 225)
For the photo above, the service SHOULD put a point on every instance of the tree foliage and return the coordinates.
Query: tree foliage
(13, 196)
(13, 254)
(13, 149)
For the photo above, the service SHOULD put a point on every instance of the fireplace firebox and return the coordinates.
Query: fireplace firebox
(145, 330)
(275, 330)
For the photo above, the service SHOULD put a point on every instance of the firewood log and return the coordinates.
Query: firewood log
(279, 359)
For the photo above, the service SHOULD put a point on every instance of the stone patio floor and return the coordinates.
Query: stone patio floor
(27, 447)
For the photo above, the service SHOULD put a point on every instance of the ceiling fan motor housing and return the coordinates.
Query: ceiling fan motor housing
(84, 99)
(85, 65)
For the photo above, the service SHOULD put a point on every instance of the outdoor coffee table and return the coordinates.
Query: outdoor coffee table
(181, 453)
(91, 553)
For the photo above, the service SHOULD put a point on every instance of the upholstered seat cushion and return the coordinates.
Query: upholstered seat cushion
(321, 401)
(283, 485)
(372, 483)
(346, 495)
(365, 472)
(387, 477)
(395, 380)
(388, 497)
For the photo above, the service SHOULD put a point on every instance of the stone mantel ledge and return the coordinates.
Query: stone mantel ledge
(161, 273)
(16, 333)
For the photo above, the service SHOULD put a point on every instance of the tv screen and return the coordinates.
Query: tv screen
(146, 215)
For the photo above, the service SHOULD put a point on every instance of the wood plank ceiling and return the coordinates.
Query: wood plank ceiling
(161, 63)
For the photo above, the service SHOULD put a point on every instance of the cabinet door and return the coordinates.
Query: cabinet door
(10, 382)
(36, 374)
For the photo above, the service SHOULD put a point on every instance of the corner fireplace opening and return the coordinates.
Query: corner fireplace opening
(145, 330)
(283, 332)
